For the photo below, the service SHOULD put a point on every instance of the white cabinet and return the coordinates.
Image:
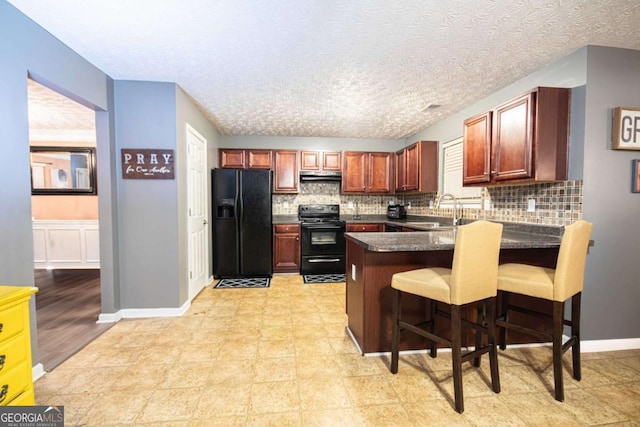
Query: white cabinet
(66, 244)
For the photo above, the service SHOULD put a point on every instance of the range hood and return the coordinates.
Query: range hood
(320, 176)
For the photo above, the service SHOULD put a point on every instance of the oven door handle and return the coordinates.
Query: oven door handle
(323, 226)
(324, 260)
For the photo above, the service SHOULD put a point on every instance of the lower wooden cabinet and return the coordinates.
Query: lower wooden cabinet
(16, 378)
(365, 227)
(286, 248)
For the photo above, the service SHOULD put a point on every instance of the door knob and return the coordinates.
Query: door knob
(205, 222)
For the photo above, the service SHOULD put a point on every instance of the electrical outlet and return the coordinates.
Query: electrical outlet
(487, 205)
(350, 204)
(286, 205)
(430, 204)
(531, 205)
(409, 205)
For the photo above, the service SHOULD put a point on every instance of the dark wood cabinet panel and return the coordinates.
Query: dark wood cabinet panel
(365, 227)
(286, 176)
(354, 171)
(477, 149)
(401, 172)
(417, 168)
(320, 160)
(523, 140)
(512, 141)
(259, 159)
(332, 160)
(365, 172)
(412, 167)
(310, 160)
(380, 173)
(286, 248)
(232, 158)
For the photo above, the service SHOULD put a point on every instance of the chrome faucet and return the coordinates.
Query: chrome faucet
(455, 206)
(357, 215)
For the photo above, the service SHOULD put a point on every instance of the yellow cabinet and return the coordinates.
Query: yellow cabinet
(16, 379)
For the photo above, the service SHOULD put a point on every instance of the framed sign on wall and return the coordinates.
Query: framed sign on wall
(625, 132)
(147, 163)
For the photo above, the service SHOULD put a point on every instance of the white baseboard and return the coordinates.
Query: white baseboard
(37, 372)
(594, 346)
(609, 345)
(109, 317)
(141, 313)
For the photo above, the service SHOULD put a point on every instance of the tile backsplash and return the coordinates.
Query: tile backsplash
(557, 203)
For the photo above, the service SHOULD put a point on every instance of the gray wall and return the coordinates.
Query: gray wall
(311, 143)
(153, 213)
(25, 49)
(569, 71)
(148, 209)
(603, 78)
(187, 112)
(149, 251)
(612, 285)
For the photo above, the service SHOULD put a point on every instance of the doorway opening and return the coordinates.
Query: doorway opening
(65, 230)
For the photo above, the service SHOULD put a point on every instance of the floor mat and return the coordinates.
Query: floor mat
(244, 282)
(324, 278)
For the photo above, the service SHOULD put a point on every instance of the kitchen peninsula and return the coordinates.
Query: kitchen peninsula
(373, 258)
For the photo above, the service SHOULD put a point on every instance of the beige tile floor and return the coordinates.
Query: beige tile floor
(280, 357)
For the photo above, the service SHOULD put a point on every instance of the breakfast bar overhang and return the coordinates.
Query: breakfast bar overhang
(373, 258)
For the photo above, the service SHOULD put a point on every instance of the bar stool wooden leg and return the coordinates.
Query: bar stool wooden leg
(395, 335)
(481, 319)
(504, 313)
(558, 324)
(433, 351)
(493, 353)
(456, 355)
(575, 332)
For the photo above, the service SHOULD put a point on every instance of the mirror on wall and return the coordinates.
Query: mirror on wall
(63, 170)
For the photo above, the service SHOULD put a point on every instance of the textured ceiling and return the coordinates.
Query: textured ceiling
(334, 68)
(48, 110)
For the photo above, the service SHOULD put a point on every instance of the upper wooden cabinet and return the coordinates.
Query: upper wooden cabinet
(286, 174)
(364, 172)
(523, 140)
(320, 160)
(417, 168)
(245, 159)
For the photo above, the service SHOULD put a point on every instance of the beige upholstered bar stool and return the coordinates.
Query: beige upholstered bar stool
(556, 285)
(473, 277)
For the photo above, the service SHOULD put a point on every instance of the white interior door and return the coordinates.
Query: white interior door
(197, 211)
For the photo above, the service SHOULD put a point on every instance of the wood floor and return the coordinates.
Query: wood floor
(67, 307)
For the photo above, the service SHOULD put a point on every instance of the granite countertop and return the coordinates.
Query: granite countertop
(440, 239)
(285, 219)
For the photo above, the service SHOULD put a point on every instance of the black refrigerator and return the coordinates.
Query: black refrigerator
(242, 245)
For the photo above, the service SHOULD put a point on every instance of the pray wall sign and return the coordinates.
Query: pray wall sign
(147, 163)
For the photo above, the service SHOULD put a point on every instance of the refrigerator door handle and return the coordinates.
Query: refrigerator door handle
(238, 218)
